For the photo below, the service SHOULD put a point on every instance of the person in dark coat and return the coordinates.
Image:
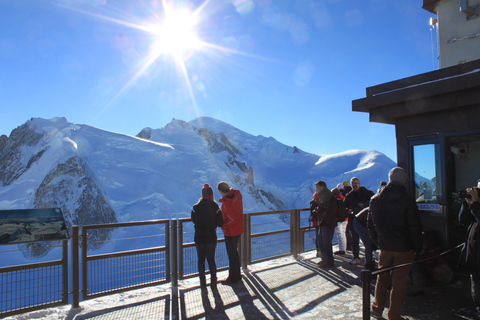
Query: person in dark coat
(356, 200)
(207, 216)
(327, 223)
(470, 257)
(395, 227)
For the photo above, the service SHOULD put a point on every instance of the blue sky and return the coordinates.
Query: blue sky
(281, 68)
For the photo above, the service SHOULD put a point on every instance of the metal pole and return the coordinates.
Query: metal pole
(174, 253)
(366, 276)
(293, 234)
(84, 264)
(65, 271)
(245, 256)
(75, 272)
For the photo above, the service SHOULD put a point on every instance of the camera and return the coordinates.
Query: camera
(464, 195)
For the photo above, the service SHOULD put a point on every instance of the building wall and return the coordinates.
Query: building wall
(452, 26)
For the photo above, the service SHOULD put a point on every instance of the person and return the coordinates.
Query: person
(232, 213)
(469, 215)
(360, 226)
(206, 215)
(327, 221)
(314, 220)
(357, 199)
(382, 184)
(395, 227)
(340, 229)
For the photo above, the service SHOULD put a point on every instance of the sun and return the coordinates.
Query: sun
(176, 33)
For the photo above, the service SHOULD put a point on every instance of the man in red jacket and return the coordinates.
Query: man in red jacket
(232, 212)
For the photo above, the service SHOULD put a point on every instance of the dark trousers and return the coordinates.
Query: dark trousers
(206, 251)
(233, 258)
(325, 236)
(317, 238)
(353, 239)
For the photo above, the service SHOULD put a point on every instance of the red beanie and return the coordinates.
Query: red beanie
(207, 191)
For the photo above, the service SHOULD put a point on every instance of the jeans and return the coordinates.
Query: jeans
(399, 277)
(206, 251)
(353, 239)
(340, 231)
(231, 243)
(317, 238)
(367, 242)
(325, 236)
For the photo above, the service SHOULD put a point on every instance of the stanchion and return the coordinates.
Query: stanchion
(366, 277)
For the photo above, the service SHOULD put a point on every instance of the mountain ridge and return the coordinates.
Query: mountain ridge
(98, 176)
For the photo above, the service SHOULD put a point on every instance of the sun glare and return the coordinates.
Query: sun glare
(176, 34)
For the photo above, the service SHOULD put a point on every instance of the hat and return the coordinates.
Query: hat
(207, 191)
(345, 183)
(397, 176)
(340, 186)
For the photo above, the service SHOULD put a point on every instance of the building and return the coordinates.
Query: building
(437, 118)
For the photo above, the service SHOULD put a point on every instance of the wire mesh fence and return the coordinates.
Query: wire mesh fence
(148, 263)
(34, 286)
(124, 256)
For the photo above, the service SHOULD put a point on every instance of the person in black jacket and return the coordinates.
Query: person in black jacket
(327, 222)
(356, 200)
(206, 215)
(470, 257)
(395, 227)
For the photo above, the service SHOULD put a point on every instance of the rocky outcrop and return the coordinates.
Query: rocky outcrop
(145, 134)
(66, 182)
(11, 166)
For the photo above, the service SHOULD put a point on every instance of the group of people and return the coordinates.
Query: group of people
(207, 216)
(341, 211)
(388, 220)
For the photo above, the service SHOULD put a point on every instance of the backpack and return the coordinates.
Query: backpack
(341, 210)
(317, 212)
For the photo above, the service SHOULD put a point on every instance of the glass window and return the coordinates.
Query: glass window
(427, 173)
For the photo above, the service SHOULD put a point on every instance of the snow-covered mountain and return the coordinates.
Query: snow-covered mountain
(97, 176)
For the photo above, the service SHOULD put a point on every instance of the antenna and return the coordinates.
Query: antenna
(433, 23)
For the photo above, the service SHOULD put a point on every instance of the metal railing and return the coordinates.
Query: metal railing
(34, 286)
(123, 270)
(166, 252)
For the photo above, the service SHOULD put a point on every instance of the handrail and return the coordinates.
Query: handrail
(366, 277)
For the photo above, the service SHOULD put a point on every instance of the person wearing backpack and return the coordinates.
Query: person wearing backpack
(313, 219)
(342, 221)
(327, 221)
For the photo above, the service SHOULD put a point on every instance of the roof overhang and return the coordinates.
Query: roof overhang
(440, 90)
(430, 5)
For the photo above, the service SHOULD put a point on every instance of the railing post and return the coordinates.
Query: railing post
(174, 253)
(294, 233)
(65, 271)
(75, 273)
(366, 276)
(245, 249)
(84, 263)
(168, 249)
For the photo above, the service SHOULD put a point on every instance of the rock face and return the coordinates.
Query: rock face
(66, 186)
(11, 166)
